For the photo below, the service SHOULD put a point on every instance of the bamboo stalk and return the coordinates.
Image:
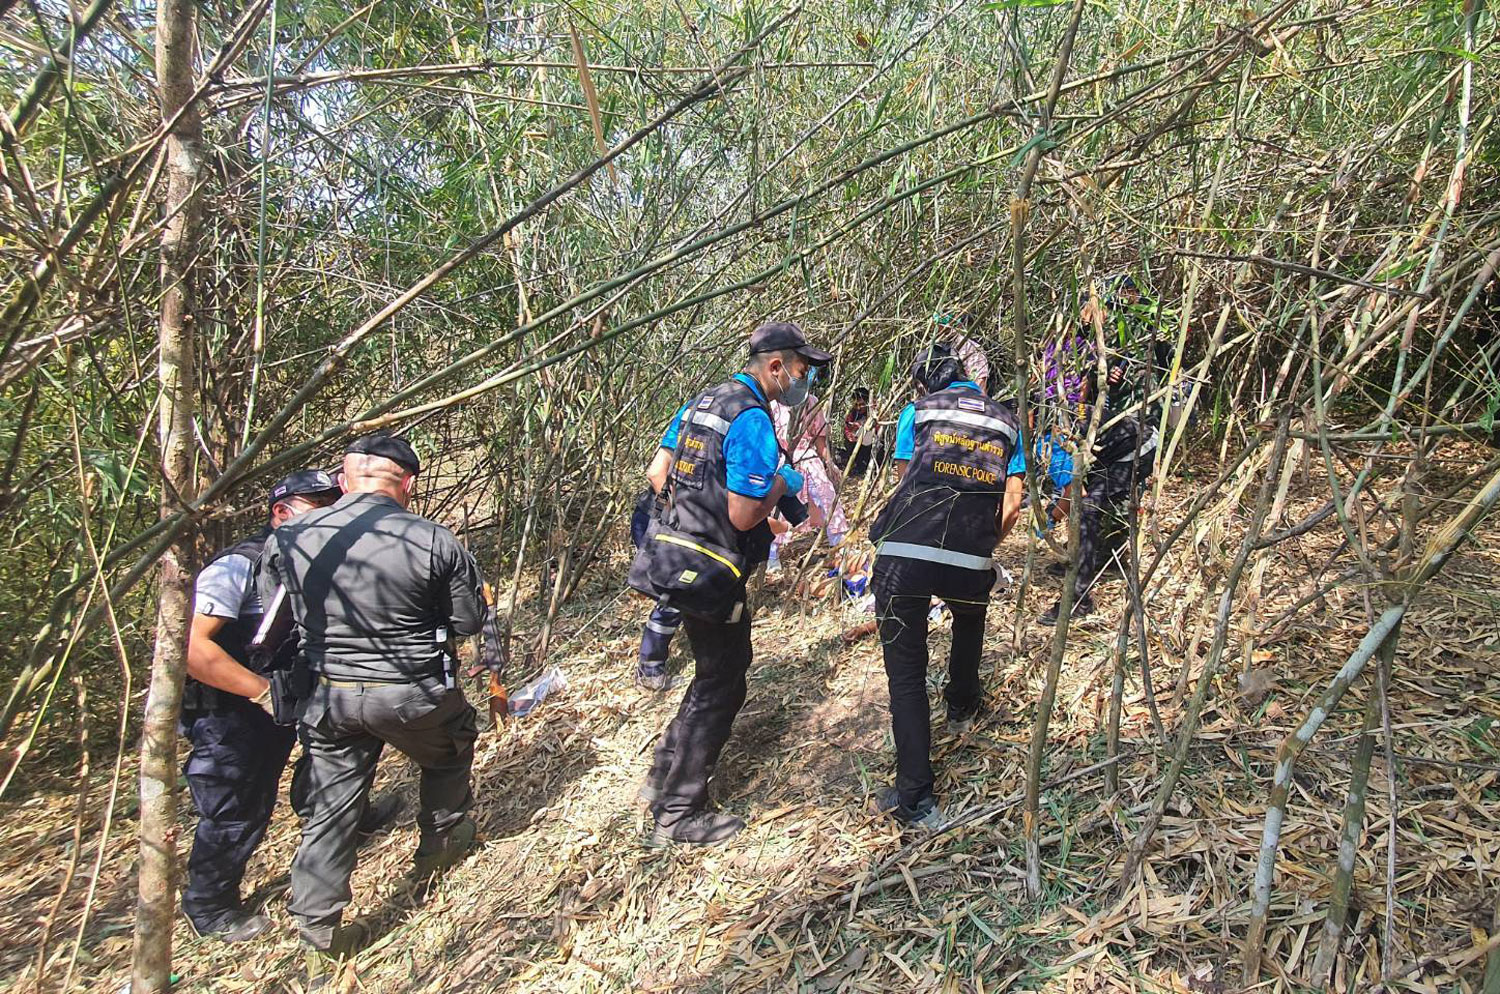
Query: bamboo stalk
(1350, 831)
(1439, 550)
(1189, 725)
(1382, 637)
(151, 962)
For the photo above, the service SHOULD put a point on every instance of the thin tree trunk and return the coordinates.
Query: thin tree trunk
(1349, 833)
(176, 42)
(1018, 211)
(1382, 637)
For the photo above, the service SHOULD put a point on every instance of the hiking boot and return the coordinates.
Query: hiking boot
(325, 952)
(961, 720)
(925, 815)
(653, 676)
(379, 816)
(1082, 608)
(237, 927)
(651, 790)
(325, 941)
(439, 853)
(702, 828)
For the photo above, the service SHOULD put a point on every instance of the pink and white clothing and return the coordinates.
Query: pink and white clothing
(810, 424)
(976, 364)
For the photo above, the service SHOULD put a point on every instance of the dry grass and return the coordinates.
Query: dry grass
(562, 896)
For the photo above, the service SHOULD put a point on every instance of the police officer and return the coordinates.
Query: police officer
(1124, 455)
(237, 752)
(377, 593)
(662, 624)
(934, 539)
(722, 487)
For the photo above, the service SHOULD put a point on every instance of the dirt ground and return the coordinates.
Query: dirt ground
(561, 895)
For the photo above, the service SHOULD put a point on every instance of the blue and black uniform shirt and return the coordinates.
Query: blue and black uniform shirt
(751, 453)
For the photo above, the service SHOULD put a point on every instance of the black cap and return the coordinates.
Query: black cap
(397, 450)
(781, 336)
(936, 367)
(304, 483)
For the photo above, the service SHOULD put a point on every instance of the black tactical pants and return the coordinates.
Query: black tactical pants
(343, 731)
(689, 749)
(1104, 519)
(233, 774)
(656, 634)
(904, 589)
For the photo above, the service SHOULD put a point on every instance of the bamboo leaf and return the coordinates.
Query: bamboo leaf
(591, 97)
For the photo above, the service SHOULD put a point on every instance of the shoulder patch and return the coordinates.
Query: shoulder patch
(756, 480)
(705, 402)
(971, 404)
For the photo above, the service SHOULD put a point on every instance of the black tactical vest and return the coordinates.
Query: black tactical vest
(234, 636)
(945, 507)
(1127, 440)
(697, 483)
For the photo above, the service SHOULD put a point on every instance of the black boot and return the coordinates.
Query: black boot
(236, 927)
(702, 828)
(925, 815)
(379, 816)
(1082, 608)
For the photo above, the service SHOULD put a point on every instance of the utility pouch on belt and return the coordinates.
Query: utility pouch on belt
(286, 694)
(275, 653)
(693, 576)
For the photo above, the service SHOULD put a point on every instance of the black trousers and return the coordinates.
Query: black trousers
(343, 732)
(904, 589)
(1104, 519)
(861, 464)
(689, 749)
(233, 774)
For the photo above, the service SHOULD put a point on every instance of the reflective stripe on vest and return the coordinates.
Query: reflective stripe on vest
(968, 418)
(1147, 447)
(932, 554)
(711, 421)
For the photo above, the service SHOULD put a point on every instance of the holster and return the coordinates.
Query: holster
(290, 686)
(198, 697)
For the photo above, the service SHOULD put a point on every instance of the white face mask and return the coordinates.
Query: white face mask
(795, 394)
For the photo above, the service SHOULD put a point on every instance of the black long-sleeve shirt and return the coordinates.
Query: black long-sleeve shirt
(372, 587)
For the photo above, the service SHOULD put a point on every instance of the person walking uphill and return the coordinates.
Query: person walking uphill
(377, 593)
(717, 472)
(934, 539)
(238, 750)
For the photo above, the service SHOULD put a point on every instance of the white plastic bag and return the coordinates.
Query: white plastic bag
(525, 698)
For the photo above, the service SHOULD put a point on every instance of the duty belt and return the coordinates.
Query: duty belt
(932, 554)
(329, 681)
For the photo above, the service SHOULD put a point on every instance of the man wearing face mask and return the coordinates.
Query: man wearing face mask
(717, 469)
(378, 594)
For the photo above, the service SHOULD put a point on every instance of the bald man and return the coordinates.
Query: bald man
(378, 594)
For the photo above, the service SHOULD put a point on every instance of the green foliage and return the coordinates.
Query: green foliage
(375, 179)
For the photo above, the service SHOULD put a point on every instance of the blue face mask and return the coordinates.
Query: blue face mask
(795, 395)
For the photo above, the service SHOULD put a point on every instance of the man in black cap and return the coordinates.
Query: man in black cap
(934, 539)
(237, 752)
(717, 471)
(378, 594)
